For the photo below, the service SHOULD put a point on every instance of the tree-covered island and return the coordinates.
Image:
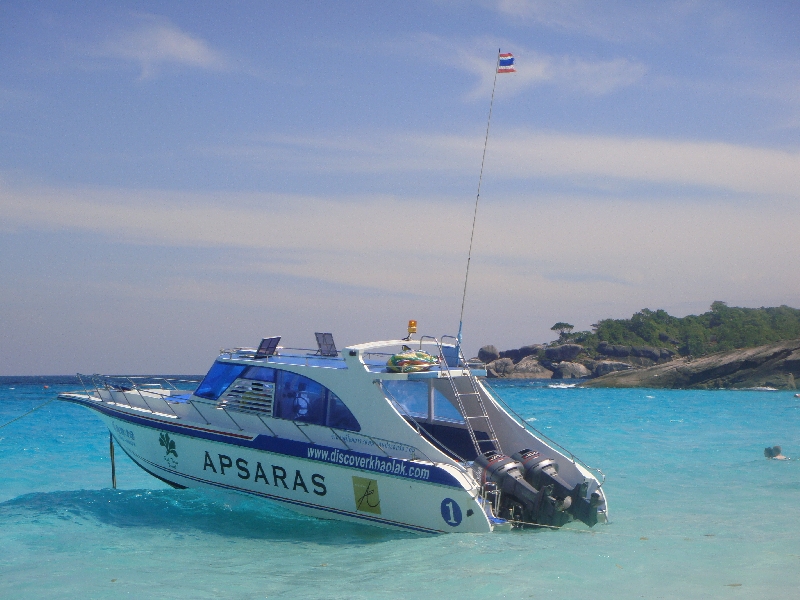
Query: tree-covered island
(724, 347)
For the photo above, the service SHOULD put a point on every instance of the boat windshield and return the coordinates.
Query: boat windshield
(220, 376)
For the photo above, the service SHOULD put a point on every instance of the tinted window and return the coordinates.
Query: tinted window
(444, 409)
(218, 379)
(298, 398)
(411, 395)
(260, 374)
(339, 415)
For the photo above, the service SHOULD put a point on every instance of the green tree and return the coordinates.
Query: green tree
(562, 328)
(722, 328)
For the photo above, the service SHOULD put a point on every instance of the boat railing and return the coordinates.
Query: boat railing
(310, 357)
(116, 387)
(122, 383)
(292, 356)
(376, 362)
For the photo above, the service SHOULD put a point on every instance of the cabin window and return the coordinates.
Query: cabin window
(414, 398)
(443, 408)
(260, 374)
(339, 416)
(219, 378)
(299, 398)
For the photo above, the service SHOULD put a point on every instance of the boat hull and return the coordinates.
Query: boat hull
(308, 478)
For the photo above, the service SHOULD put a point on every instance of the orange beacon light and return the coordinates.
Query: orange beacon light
(412, 326)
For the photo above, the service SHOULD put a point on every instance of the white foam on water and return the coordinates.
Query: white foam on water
(761, 388)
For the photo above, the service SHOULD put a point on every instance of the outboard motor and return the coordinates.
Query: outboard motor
(520, 501)
(541, 472)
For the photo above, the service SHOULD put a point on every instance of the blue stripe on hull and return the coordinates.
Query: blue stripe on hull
(275, 445)
(137, 459)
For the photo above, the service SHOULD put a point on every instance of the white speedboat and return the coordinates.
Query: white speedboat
(339, 435)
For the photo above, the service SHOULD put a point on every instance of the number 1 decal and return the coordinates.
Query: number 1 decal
(451, 512)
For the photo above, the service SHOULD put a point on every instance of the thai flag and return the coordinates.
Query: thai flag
(506, 63)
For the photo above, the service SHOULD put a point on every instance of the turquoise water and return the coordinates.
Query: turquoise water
(697, 512)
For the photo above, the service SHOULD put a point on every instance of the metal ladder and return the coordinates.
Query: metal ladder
(468, 418)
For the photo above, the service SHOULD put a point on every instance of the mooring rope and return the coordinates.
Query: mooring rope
(27, 413)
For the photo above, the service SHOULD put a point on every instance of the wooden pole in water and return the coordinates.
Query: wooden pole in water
(113, 467)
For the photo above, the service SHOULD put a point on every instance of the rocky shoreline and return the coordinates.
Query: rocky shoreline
(770, 366)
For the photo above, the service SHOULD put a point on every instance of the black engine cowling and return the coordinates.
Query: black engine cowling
(541, 471)
(521, 501)
(533, 492)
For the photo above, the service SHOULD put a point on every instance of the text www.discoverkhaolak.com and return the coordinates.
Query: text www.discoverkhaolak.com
(371, 463)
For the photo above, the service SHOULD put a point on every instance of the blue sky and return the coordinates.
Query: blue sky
(181, 177)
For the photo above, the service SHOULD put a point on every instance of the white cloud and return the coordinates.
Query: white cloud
(156, 41)
(686, 163)
(598, 77)
(568, 73)
(600, 160)
(367, 263)
(397, 243)
(609, 21)
(318, 234)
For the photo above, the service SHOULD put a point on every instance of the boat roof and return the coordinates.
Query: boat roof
(390, 343)
(373, 355)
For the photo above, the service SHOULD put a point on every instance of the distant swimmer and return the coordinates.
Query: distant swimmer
(775, 452)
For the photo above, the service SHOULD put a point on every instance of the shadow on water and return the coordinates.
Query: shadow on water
(184, 511)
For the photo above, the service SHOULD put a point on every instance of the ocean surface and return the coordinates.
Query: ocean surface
(696, 510)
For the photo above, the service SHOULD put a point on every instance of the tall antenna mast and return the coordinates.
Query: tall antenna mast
(478, 197)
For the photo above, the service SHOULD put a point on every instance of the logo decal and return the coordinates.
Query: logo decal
(451, 512)
(169, 446)
(366, 495)
(125, 435)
